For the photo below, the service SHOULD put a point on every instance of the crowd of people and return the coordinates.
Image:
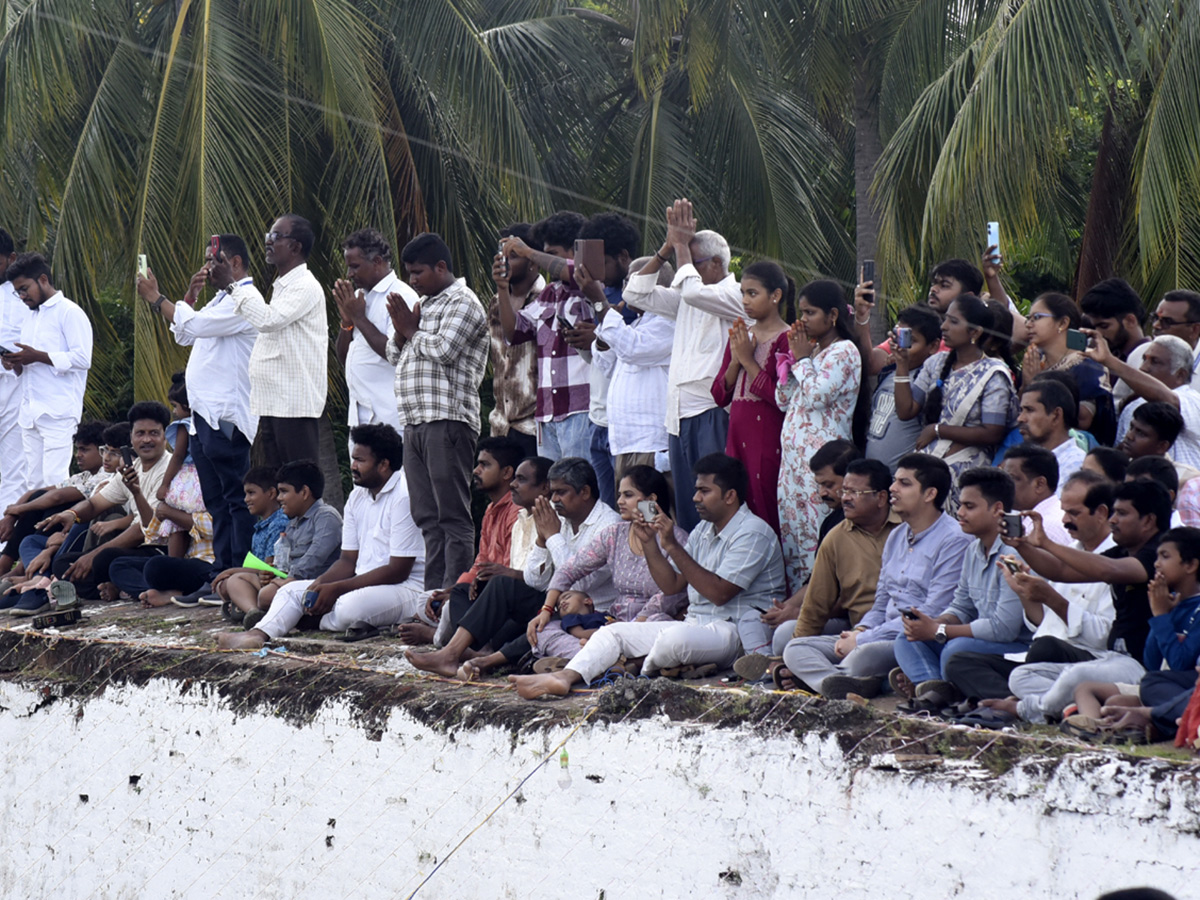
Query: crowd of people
(993, 513)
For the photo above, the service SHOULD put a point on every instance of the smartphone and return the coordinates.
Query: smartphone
(214, 244)
(909, 614)
(648, 509)
(903, 338)
(993, 236)
(4, 351)
(127, 455)
(310, 599)
(503, 258)
(563, 324)
(1011, 564)
(1076, 339)
(143, 266)
(1013, 526)
(868, 271)
(589, 252)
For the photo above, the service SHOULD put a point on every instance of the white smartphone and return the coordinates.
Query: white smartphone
(993, 236)
(648, 509)
(143, 266)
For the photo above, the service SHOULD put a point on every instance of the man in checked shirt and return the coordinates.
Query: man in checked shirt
(440, 351)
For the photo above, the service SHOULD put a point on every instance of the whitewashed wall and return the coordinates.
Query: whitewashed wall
(256, 807)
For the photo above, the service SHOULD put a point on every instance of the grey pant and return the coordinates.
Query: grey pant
(812, 660)
(438, 459)
(785, 630)
(1048, 688)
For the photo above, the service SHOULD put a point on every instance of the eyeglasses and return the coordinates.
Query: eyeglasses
(1036, 316)
(846, 492)
(1168, 322)
(275, 236)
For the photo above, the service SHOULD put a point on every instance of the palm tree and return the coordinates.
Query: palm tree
(996, 135)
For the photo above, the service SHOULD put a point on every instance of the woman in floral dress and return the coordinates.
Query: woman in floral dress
(747, 380)
(819, 388)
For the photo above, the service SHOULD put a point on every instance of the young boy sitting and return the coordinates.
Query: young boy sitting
(262, 500)
(306, 547)
(1174, 639)
(576, 621)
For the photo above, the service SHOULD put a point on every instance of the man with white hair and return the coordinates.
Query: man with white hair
(1164, 377)
(704, 299)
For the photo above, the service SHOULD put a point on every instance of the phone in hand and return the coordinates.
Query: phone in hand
(1076, 339)
(1014, 527)
(214, 244)
(143, 265)
(4, 351)
(503, 257)
(1011, 564)
(563, 323)
(993, 236)
(910, 614)
(648, 509)
(589, 253)
(310, 598)
(868, 275)
(903, 338)
(127, 456)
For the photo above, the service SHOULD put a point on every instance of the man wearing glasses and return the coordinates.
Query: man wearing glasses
(1178, 313)
(288, 378)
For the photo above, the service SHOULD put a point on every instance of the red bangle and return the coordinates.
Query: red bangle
(549, 609)
(348, 327)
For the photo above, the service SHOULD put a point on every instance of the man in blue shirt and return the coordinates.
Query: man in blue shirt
(985, 615)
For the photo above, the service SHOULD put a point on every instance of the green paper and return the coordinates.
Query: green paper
(253, 562)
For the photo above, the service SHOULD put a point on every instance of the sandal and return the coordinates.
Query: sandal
(63, 593)
(548, 664)
(782, 673)
(359, 631)
(902, 684)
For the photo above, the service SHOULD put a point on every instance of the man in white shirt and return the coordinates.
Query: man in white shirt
(1164, 376)
(218, 386)
(1046, 418)
(362, 342)
(704, 300)
(1034, 471)
(52, 359)
(1178, 314)
(288, 380)
(378, 578)
(13, 314)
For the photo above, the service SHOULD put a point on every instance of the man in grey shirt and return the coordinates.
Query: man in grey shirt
(732, 565)
(985, 615)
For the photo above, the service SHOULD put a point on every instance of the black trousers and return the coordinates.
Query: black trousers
(25, 525)
(287, 440)
(1167, 694)
(984, 676)
(88, 588)
(500, 615)
(221, 464)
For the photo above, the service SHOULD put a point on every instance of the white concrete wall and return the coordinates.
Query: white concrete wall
(255, 807)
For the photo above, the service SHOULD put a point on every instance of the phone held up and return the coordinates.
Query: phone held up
(214, 244)
(903, 338)
(143, 266)
(1013, 526)
(868, 275)
(1077, 340)
(648, 509)
(993, 236)
(127, 456)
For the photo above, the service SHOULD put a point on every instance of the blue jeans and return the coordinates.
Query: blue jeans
(571, 436)
(926, 660)
(602, 462)
(36, 543)
(698, 436)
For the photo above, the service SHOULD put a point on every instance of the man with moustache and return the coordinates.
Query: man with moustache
(1071, 620)
(919, 568)
(361, 300)
(378, 578)
(1178, 314)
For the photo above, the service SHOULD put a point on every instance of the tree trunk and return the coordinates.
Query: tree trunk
(868, 147)
(1100, 247)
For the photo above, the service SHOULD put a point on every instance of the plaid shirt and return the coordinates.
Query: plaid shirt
(563, 381)
(514, 374)
(439, 370)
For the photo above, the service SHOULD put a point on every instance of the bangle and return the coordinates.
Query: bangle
(349, 327)
(661, 257)
(902, 379)
(75, 514)
(937, 431)
(549, 609)
(865, 321)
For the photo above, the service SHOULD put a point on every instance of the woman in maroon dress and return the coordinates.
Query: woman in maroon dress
(746, 383)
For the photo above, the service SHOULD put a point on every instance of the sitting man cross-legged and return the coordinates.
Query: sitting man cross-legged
(985, 615)
(732, 564)
(379, 576)
(920, 567)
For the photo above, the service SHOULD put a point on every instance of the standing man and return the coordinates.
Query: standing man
(514, 368)
(52, 359)
(440, 350)
(288, 379)
(362, 342)
(13, 314)
(704, 300)
(218, 386)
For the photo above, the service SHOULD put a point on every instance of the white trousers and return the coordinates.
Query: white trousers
(379, 604)
(14, 479)
(1047, 688)
(664, 644)
(48, 447)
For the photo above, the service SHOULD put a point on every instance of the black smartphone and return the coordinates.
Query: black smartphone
(4, 351)
(563, 324)
(1014, 527)
(1076, 339)
(909, 614)
(127, 455)
(868, 271)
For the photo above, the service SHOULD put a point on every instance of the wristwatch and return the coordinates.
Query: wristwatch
(940, 637)
(157, 304)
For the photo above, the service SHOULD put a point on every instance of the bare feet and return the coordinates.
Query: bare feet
(151, 598)
(468, 671)
(241, 640)
(440, 662)
(1125, 718)
(414, 633)
(109, 592)
(1007, 704)
(556, 684)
